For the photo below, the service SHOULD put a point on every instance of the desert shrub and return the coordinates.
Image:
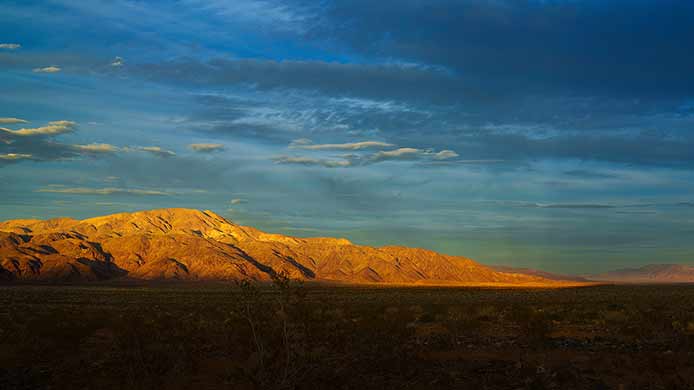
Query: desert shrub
(277, 320)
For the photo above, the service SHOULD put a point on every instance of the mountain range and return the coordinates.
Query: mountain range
(193, 245)
(653, 273)
(185, 244)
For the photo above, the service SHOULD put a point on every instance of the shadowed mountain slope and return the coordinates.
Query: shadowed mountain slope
(655, 273)
(184, 244)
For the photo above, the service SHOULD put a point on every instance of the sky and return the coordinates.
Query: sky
(553, 134)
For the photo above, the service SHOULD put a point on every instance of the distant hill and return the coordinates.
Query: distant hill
(655, 273)
(534, 272)
(184, 244)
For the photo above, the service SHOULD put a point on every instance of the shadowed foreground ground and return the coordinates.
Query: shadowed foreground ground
(309, 337)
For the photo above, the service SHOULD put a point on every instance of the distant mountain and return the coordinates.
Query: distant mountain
(534, 272)
(655, 273)
(183, 244)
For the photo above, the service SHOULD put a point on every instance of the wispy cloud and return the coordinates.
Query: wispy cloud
(47, 69)
(101, 191)
(97, 148)
(359, 157)
(571, 206)
(14, 156)
(445, 155)
(307, 145)
(9, 121)
(308, 161)
(155, 150)
(118, 61)
(53, 128)
(206, 148)
(10, 46)
(397, 154)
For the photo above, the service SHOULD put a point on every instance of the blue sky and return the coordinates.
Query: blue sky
(551, 134)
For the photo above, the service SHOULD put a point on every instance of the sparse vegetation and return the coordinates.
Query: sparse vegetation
(286, 335)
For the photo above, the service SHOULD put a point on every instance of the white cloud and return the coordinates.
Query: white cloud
(312, 161)
(397, 154)
(53, 128)
(344, 146)
(355, 160)
(10, 46)
(445, 155)
(14, 156)
(47, 69)
(157, 150)
(118, 61)
(206, 148)
(12, 120)
(101, 191)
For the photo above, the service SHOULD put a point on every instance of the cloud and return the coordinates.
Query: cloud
(382, 81)
(117, 62)
(156, 150)
(308, 161)
(206, 148)
(101, 191)
(10, 46)
(571, 206)
(397, 154)
(14, 156)
(96, 148)
(361, 159)
(12, 120)
(238, 201)
(593, 46)
(586, 174)
(306, 144)
(300, 142)
(445, 155)
(53, 128)
(47, 69)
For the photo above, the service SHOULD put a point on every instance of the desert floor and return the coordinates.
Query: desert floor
(291, 336)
